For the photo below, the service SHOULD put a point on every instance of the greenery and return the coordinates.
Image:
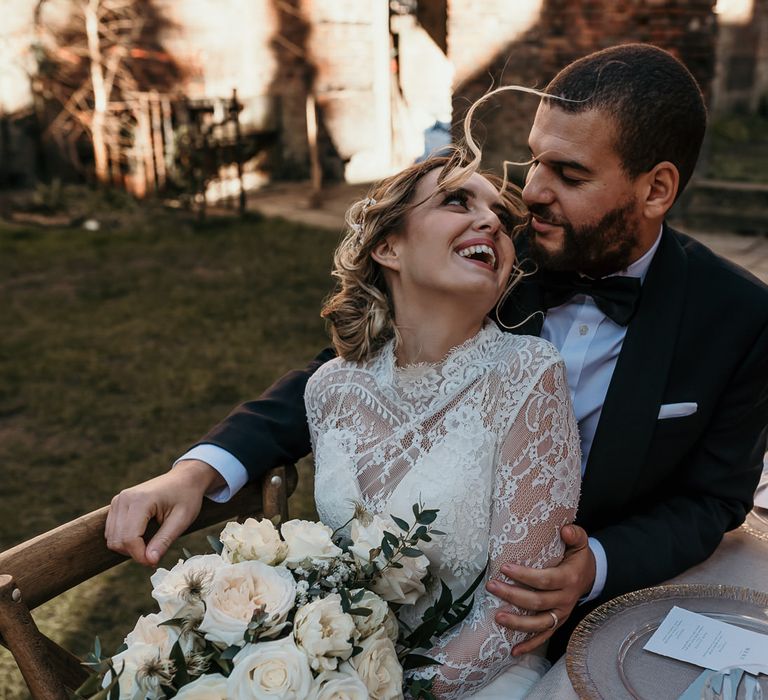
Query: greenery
(122, 346)
(738, 148)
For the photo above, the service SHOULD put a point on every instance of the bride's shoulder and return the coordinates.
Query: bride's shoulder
(531, 348)
(336, 373)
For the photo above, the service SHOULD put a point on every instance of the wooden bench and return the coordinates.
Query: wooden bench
(46, 566)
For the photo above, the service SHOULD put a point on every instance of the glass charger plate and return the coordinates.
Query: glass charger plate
(756, 523)
(605, 658)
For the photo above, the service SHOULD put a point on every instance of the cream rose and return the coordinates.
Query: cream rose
(403, 585)
(270, 670)
(237, 590)
(335, 685)
(180, 591)
(368, 624)
(378, 667)
(391, 625)
(324, 632)
(252, 540)
(307, 540)
(212, 687)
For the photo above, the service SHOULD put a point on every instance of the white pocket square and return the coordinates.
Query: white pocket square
(678, 410)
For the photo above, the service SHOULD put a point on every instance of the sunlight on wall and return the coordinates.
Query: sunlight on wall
(734, 11)
(498, 22)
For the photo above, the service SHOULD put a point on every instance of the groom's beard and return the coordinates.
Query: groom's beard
(596, 250)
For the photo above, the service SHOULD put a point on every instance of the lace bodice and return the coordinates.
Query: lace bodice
(488, 437)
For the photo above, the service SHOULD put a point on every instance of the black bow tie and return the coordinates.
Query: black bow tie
(616, 297)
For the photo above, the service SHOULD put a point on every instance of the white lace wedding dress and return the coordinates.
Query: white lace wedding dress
(487, 436)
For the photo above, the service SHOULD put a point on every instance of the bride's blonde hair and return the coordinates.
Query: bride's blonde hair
(359, 311)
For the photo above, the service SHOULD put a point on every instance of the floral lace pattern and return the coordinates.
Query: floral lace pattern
(487, 436)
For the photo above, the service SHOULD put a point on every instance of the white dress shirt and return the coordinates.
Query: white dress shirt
(590, 344)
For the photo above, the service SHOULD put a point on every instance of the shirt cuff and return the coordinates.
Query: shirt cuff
(601, 570)
(229, 466)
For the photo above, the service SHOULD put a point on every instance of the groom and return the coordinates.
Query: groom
(665, 344)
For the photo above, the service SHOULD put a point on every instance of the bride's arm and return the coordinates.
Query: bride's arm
(535, 492)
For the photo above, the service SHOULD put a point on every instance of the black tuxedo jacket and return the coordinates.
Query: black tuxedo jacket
(657, 494)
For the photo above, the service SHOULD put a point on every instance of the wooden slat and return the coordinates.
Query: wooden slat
(54, 562)
(29, 647)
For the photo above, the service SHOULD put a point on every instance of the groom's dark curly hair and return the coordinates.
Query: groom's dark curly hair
(656, 104)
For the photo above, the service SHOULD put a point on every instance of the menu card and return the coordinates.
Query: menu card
(700, 640)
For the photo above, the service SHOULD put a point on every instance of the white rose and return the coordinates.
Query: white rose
(270, 670)
(368, 624)
(378, 667)
(391, 625)
(237, 590)
(180, 591)
(143, 668)
(306, 539)
(324, 632)
(335, 685)
(403, 585)
(252, 540)
(213, 687)
(147, 631)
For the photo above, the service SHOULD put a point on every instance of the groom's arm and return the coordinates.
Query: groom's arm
(260, 434)
(272, 430)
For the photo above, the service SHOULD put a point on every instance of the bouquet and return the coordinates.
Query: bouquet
(300, 612)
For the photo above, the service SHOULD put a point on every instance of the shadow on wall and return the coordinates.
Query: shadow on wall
(292, 84)
(563, 32)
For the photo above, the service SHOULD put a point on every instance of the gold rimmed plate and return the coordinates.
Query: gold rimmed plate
(606, 660)
(756, 523)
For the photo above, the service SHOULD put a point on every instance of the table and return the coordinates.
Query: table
(740, 560)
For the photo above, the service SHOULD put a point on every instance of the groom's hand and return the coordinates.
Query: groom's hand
(173, 499)
(546, 593)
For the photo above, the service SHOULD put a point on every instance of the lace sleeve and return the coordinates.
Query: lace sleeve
(536, 490)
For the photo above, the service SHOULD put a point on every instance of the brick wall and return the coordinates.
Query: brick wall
(542, 36)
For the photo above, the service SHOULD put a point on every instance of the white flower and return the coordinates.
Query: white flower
(270, 670)
(180, 591)
(147, 631)
(253, 539)
(212, 687)
(391, 625)
(378, 667)
(403, 585)
(235, 593)
(324, 632)
(367, 624)
(308, 540)
(143, 668)
(335, 685)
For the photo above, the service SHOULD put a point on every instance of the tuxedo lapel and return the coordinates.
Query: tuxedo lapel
(631, 406)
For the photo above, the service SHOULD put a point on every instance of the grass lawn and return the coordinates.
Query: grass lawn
(119, 348)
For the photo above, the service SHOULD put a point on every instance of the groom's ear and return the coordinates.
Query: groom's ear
(660, 191)
(386, 253)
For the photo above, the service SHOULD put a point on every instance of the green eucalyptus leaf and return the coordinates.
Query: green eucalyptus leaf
(417, 661)
(402, 524)
(216, 544)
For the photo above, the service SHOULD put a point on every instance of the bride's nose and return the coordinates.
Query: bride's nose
(487, 221)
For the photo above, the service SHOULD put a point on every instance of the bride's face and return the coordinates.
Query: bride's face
(453, 243)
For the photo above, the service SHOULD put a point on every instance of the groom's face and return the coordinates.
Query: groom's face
(583, 205)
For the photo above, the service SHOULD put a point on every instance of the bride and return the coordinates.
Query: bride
(429, 400)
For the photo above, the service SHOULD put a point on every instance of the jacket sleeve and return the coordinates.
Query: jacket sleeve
(272, 429)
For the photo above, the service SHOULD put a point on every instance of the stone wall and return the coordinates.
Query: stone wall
(741, 77)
